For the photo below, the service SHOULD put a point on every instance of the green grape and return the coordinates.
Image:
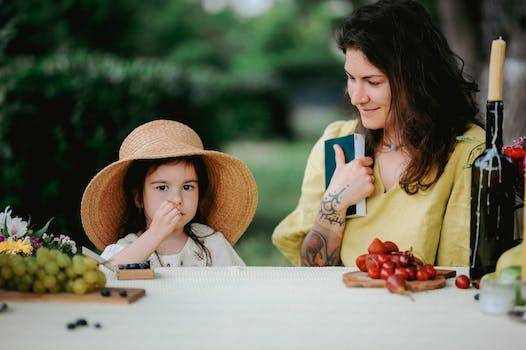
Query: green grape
(41, 274)
(69, 286)
(31, 265)
(61, 277)
(43, 252)
(7, 273)
(63, 260)
(78, 267)
(15, 259)
(78, 259)
(3, 260)
(51, 268)
(70, 273)
(42, 259)
(50, 281)
(91, 264)
(53, 253)
(79, 286)
(38, 287)
(101, 282)
(19, 269)
(91, 277)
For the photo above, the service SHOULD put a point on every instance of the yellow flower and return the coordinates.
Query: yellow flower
(14, 247)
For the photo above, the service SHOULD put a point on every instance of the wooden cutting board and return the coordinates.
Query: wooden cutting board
(359, 279)
(132, 295)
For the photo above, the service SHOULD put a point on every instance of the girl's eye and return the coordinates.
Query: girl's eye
(162, 187)
(375, 83)
(349, 77)
(188, 187)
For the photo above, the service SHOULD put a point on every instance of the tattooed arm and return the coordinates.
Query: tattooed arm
(322, 245)
(350, 183)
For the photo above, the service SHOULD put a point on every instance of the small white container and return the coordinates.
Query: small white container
(496, 298)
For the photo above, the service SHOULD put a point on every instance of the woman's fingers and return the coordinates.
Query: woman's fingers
(339, 156)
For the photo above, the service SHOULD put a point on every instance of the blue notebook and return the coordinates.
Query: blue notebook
(353, 147)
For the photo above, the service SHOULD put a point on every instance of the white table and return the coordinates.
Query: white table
(263, 308)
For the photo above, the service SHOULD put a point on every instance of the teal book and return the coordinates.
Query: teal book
(353, 147)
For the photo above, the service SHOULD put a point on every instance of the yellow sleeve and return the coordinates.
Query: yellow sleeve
(289, 234)
(453, 246)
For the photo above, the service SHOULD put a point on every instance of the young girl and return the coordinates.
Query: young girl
(155, 202)
(413, 104)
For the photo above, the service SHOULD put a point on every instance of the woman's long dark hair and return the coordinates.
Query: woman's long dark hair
(135, 220)
(431, 101)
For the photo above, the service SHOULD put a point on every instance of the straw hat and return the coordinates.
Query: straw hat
(231, 199)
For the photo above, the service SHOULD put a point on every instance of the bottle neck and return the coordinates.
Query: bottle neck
(494, 116)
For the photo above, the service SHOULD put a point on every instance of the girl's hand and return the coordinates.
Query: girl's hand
(165, 219)
(351, 182)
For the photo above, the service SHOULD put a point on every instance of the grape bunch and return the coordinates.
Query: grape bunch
(50, 271)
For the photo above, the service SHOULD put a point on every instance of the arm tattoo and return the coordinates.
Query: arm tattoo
(315, 251)
(329, 207)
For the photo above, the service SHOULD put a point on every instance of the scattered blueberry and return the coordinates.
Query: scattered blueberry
(105, 292)
(123, 293)
(3, 307)
(98, 325)
(477, 296)
(71, 325)
(81, 322)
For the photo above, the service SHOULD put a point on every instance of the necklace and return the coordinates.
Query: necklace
(393, 147)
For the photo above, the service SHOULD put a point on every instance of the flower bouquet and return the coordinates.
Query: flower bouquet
(17, 237)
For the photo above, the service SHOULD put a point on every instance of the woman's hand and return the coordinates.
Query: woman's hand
(350, 182)
(165, 219)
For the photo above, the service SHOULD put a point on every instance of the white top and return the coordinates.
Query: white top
(220, 249)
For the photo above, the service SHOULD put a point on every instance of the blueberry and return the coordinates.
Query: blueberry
(98, 325)
(105, 292)
(71, 325)
(3, 307)
(123, 293)
(477, 296)
(81, 322)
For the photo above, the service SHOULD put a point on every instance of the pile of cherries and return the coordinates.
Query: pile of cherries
(384, 259)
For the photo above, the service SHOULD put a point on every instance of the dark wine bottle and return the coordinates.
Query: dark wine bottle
(493, 175)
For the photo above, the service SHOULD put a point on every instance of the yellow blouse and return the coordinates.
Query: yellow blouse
(435, 223)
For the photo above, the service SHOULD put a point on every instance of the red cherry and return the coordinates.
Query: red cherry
(405, 260)
(360, 263)
(388, 265)
(385, 273)
(390, 247)
(374, 272)
(422, 275)
(376, 247)
(462, 282)
(431, 271)
(395, 258)
(383, 258)
(402, 272)
(411, 271)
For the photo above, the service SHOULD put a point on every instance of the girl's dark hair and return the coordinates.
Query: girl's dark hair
(134, 183)
(431, 101)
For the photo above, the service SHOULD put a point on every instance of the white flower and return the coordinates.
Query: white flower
(16, 227)
(3, 216)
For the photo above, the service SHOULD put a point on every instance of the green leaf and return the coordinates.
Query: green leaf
(6, 232)
(43, 230)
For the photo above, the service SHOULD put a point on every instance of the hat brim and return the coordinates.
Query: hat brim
(230, 204)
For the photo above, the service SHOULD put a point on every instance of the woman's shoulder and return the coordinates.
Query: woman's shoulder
(469, 145)
(340, 128)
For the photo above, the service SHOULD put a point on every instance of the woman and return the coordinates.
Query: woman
(413, 104)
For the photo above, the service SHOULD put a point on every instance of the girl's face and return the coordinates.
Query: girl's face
(175, 181)
(368, 89)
